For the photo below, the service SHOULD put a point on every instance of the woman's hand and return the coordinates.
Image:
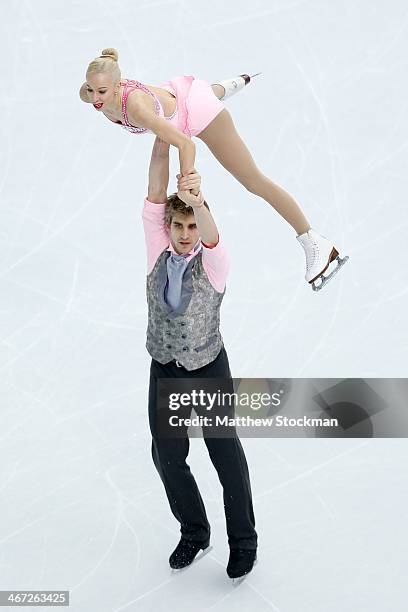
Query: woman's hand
(188, 189)
(191, 182)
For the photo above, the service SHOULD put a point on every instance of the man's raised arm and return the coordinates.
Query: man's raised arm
(159, 172)
(156, 233)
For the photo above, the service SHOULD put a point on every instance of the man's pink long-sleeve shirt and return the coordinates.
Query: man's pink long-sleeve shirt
(215, 260)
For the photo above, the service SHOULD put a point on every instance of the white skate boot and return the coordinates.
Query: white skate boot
(232, 86)
(320, 253)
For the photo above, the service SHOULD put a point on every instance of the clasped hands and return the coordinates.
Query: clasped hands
(188, 189)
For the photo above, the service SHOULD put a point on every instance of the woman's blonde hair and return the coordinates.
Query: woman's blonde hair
(107, 62)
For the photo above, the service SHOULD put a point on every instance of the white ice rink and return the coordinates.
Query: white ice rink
(82, 506)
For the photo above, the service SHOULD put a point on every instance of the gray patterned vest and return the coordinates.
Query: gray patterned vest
(189, 334)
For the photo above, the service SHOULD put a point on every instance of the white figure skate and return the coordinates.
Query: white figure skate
(232, 86)
(320, 253)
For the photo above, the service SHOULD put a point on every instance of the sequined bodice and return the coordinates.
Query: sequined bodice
(129, 86)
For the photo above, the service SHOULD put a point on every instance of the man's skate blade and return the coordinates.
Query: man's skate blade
(197, 558)
(325, 279)
(237, 581)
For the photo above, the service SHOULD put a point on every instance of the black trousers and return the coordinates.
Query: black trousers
(227, 456)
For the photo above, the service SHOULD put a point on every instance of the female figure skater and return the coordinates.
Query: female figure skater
(184, 107)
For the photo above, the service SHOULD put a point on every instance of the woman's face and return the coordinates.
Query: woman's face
(101, 89)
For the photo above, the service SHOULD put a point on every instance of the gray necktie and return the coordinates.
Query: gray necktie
(176, 266)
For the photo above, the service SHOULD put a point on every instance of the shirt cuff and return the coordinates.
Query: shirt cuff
(211, 246)
(148, 203)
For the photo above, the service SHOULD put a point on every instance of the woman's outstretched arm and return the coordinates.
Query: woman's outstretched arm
(140, 115)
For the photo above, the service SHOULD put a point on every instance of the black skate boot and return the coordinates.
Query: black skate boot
(185, 553)
(240, 562)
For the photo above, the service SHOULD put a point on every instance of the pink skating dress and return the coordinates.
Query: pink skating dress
(196, 105)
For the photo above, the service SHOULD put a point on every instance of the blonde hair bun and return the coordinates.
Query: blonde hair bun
(112, 53)
(100, 65)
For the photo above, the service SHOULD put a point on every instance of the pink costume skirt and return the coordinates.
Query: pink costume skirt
(197, 105)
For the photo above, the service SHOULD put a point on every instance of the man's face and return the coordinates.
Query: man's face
(100, 89)
(183, 233)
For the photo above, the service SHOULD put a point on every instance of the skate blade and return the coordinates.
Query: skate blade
(325, 279)
(199, 556)
(237, 581)
(333, 255)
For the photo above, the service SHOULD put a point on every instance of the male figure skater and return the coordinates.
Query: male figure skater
(187, 270)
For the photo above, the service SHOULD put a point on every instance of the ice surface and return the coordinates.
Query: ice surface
(82, 505)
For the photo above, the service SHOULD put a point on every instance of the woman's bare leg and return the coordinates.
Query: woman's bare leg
(228, 147)
(218, 90)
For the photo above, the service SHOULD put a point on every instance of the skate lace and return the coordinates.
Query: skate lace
(312, 255)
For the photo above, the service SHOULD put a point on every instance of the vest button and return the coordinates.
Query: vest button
(183, 336)
(182, 323)
(168, 346)
(185, 348)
